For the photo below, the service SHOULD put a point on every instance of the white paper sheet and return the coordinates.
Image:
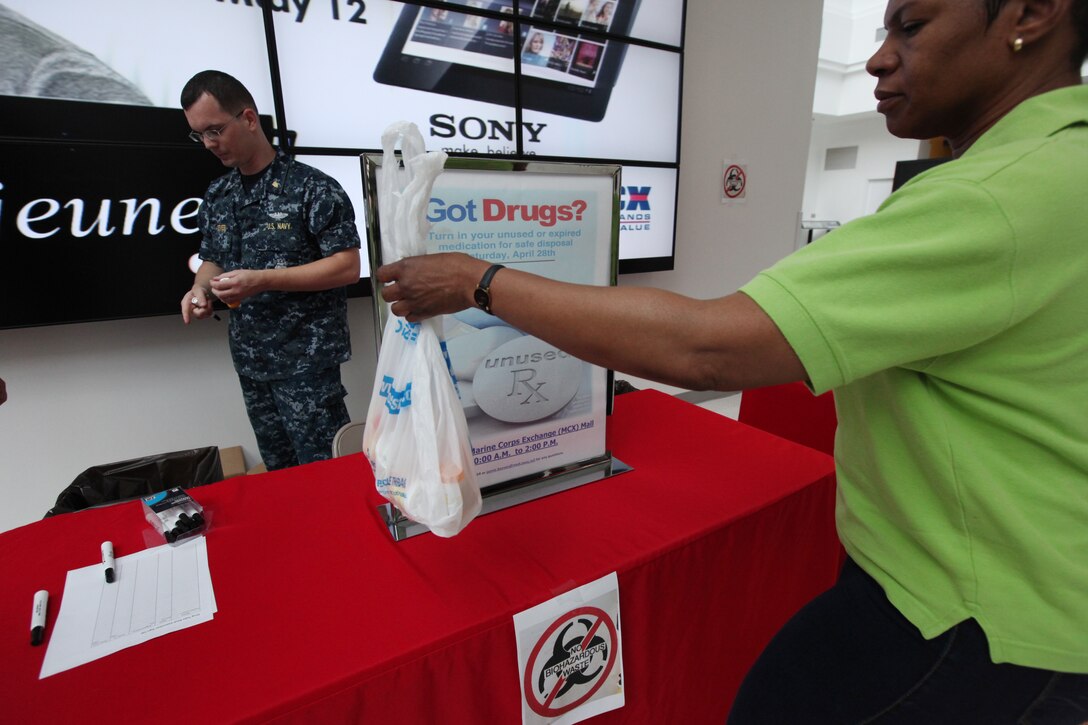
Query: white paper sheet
(156, 591)
(570, 655)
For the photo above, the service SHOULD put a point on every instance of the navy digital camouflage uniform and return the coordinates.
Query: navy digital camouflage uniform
(287, 347)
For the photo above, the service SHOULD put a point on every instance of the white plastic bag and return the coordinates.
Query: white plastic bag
(416, 435)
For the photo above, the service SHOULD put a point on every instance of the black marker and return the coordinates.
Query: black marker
(37, 617)
(107, 560)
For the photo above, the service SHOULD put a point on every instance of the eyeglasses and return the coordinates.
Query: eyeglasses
(212, 134)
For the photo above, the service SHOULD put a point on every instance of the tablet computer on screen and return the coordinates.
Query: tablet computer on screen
(565, 71)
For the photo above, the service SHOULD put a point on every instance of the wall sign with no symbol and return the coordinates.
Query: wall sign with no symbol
(734, 181)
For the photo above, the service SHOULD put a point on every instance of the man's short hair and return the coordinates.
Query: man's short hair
(228, 90)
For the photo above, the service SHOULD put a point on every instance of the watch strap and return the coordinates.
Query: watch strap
(482, 295)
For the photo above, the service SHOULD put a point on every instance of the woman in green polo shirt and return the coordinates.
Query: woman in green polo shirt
(952, 325)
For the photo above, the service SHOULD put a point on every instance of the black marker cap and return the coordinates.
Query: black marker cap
(109, 575)
(171, 536)
(37, 634)
(198, 519)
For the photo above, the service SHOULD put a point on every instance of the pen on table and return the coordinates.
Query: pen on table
(107, 560)
(37, 617)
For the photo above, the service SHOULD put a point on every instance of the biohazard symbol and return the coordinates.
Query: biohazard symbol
(733, 181)
(564, 650)
(581, 650)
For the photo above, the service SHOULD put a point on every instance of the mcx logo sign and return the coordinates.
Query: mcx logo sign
(635, 212)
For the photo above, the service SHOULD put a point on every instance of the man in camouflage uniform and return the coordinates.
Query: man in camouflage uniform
(279, 245)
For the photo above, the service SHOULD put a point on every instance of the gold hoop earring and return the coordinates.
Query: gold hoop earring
(1018, 44)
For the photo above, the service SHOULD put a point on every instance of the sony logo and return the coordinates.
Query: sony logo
(444, 125)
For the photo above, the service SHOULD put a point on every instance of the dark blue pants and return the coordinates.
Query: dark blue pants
(851, 657)
(296, 419)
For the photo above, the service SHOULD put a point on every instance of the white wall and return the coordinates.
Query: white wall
(86, 394)
(81, 395)
(748, 88)
(843, 87)
(841, 195)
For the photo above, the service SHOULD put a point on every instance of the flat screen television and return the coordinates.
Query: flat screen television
(99, 178)
(108, 233)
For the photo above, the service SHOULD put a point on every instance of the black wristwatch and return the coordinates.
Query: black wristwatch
(482, 295)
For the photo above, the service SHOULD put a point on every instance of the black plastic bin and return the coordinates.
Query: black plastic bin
(138, 477)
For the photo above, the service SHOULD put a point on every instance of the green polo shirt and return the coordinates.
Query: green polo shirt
(952, 325)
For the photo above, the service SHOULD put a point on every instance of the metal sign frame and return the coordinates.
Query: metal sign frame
(501, 490)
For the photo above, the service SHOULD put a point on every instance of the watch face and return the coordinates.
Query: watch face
(483, 299)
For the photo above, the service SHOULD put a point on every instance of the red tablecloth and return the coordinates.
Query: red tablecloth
(791, 410)
(718, 535)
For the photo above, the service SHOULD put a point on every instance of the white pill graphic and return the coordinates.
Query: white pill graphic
(526, 379)
(467, 351)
